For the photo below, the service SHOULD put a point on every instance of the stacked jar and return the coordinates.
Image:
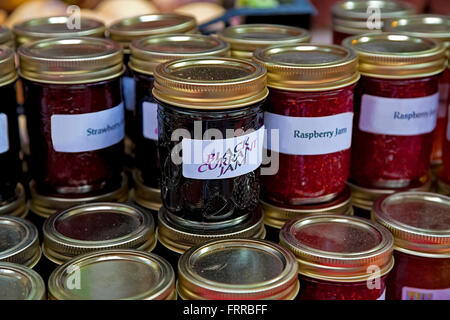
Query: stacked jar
(6, 37)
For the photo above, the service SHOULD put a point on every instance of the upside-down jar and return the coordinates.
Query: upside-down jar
(354, 17)
(340, 258)
(210, 137)
(308, 116)
(75, 121)
(420, 223)
(146, 54)
(396, 107)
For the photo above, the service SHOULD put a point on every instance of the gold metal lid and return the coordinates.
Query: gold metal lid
(18, 206)
(7, 66)
(419, 221)
(19, 241)
(246, 38)
(129, 29)
(308, 67)
(20, 283)
(276, 216)
(397, 56)
(113, 275)
(148, 52)
(57, 27)
(6, 37)
(180, 236)
(210, 83)
(147, 197)
(71, 60)
(237, 269)
(336, 248)
(351, 17)
(97, 226)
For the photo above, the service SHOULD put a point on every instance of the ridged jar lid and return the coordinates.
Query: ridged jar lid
(237, 269)
(7, 66)
(397, 56)
(97, 226)
(337, 248)
(148, 52)
(56, 27)
(6, 37)
(19, 241)
(246, 38)
(308, 67)
(419, 221)
(20, 283)
(113, 275)
(71, 60)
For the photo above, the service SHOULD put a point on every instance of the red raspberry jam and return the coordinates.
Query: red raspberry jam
(396, 107)
(310, 105)
(420, 223)
(340, 258)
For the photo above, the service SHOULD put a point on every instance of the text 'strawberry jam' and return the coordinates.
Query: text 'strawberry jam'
(340, 258)
(237, 269)
(20, 283)
(420, 223)
(146, 54)
(310, 106)
(244, 39)
(356, 17)
(75, 121)
(6, 37)
(396, 106)
(210, 109)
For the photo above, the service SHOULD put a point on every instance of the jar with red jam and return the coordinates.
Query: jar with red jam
(444, 174)
(244, 39)
(340, 258)
(354, 17)
(146, 54)
(396, 107)
(210, 137)
(75, 117)
(420, 223)
(6, 37)
(308, 117)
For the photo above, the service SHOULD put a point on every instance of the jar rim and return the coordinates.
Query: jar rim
(7, 66)
(34, 282)
(6, 37)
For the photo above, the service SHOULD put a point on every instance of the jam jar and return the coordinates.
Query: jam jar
(237, 269)
(444, 174)
(244, 39)
(146, 54)
(308, 116)
(420, 223)
(356, 17)
(20, 283)
(435, 27)
(76, 121)
(210, 137)
(117, 274)
(396, 106)
(6, 37)
(340, 258)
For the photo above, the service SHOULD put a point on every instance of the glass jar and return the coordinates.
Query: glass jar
(420, 223)
(20, 283)
(212, 180)
(113, 275)
(444, 174)
(6, 37)
(244, 39)
(355, 17)
(340, 258)
(237, 269)
(396, 106)
(146, 53)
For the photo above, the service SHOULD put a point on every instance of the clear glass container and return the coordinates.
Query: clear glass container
(20, 283)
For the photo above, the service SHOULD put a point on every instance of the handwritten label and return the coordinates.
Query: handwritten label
(4, 138)
(409, 293)
(129, 92)
(150, 120)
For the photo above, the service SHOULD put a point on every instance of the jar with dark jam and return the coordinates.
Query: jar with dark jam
(238, 269)
(6, 37)
(396, 107)
(146, 54)
(244, 39)
(420, 223)
(356, 17)
(340, 258)
(310, 108)
(75, 117)
(20, 283)
(210, 137)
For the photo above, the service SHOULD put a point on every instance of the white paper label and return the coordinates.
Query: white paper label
(310, 136)
(409, 293)
(383, 295)
(129, 92)
(4, 138)
(150, 120)
(400, 117)
(222, 158)
(88, 131)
